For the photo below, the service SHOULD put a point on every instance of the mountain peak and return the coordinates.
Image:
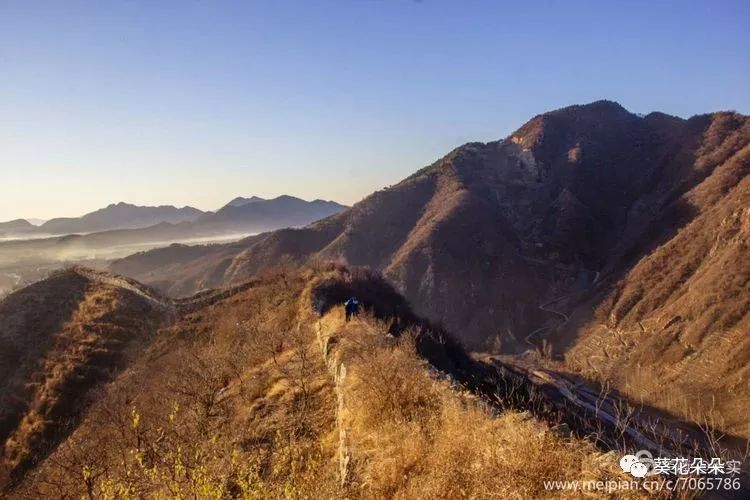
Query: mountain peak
(604, 104)
(286, 197)
(120, 215)
(119, 204)
(239, 201)
(601, 108)
(16, 224)
(580, 120)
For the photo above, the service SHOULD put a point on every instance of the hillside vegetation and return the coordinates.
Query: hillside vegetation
(266, 392)
(409, 433)
(59, 339)
(614, 243)
(673, 331)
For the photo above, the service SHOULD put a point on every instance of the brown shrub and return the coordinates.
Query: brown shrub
(413, 435)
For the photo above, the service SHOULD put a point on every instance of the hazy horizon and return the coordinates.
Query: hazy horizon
(39, 220)
(193, 103)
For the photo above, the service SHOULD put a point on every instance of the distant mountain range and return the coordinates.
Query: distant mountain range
(241, 214)
(260, 214)
(618, 242)
(120, 216)
(18, 226)
(114, 216)
(88, 237)
(239, 201)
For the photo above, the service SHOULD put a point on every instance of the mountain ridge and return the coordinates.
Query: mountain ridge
(120, 216)
(230, 223)
(125, 216)
(563, 210)
(239, 201)
(17, 226)
(218, 382)
(114, 216)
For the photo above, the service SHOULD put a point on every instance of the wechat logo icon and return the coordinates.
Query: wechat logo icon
(639, 465)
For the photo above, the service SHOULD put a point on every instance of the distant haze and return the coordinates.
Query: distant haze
(28, 252)
(193, 103)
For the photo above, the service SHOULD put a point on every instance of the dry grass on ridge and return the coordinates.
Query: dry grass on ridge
(413, 435)
(235, 401)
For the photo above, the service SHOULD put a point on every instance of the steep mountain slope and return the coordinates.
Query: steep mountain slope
(253, 393)
(482, 237)
(119, 216)
(681, 315)
(613, 242)
(59, 339)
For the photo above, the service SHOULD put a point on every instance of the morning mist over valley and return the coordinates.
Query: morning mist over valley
(343, 249)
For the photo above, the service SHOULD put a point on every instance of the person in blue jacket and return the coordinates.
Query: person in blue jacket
(351, 307)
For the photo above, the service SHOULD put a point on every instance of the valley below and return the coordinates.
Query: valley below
(222, 384)
(580, 288)
(28, 252)
(24, 261)
(610, 244)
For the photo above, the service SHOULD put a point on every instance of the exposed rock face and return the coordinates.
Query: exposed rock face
(568, 204)
(479, 239)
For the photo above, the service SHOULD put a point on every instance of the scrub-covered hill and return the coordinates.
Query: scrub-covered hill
(265, 391)
(60, 339)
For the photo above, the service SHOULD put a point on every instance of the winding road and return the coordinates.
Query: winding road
(545, 307)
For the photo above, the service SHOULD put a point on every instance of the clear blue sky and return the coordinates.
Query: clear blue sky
(195, 102)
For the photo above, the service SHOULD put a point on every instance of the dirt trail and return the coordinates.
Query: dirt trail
(544, 307)
(156, 299)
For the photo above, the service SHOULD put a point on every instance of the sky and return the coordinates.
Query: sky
(196, 102)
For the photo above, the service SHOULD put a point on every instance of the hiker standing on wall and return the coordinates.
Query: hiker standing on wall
(351, 307)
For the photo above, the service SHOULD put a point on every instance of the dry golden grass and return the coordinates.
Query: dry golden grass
(65, 351)
(231, 400)
(681, 315)
(413, 435)
(236, 400)
(481, 238)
